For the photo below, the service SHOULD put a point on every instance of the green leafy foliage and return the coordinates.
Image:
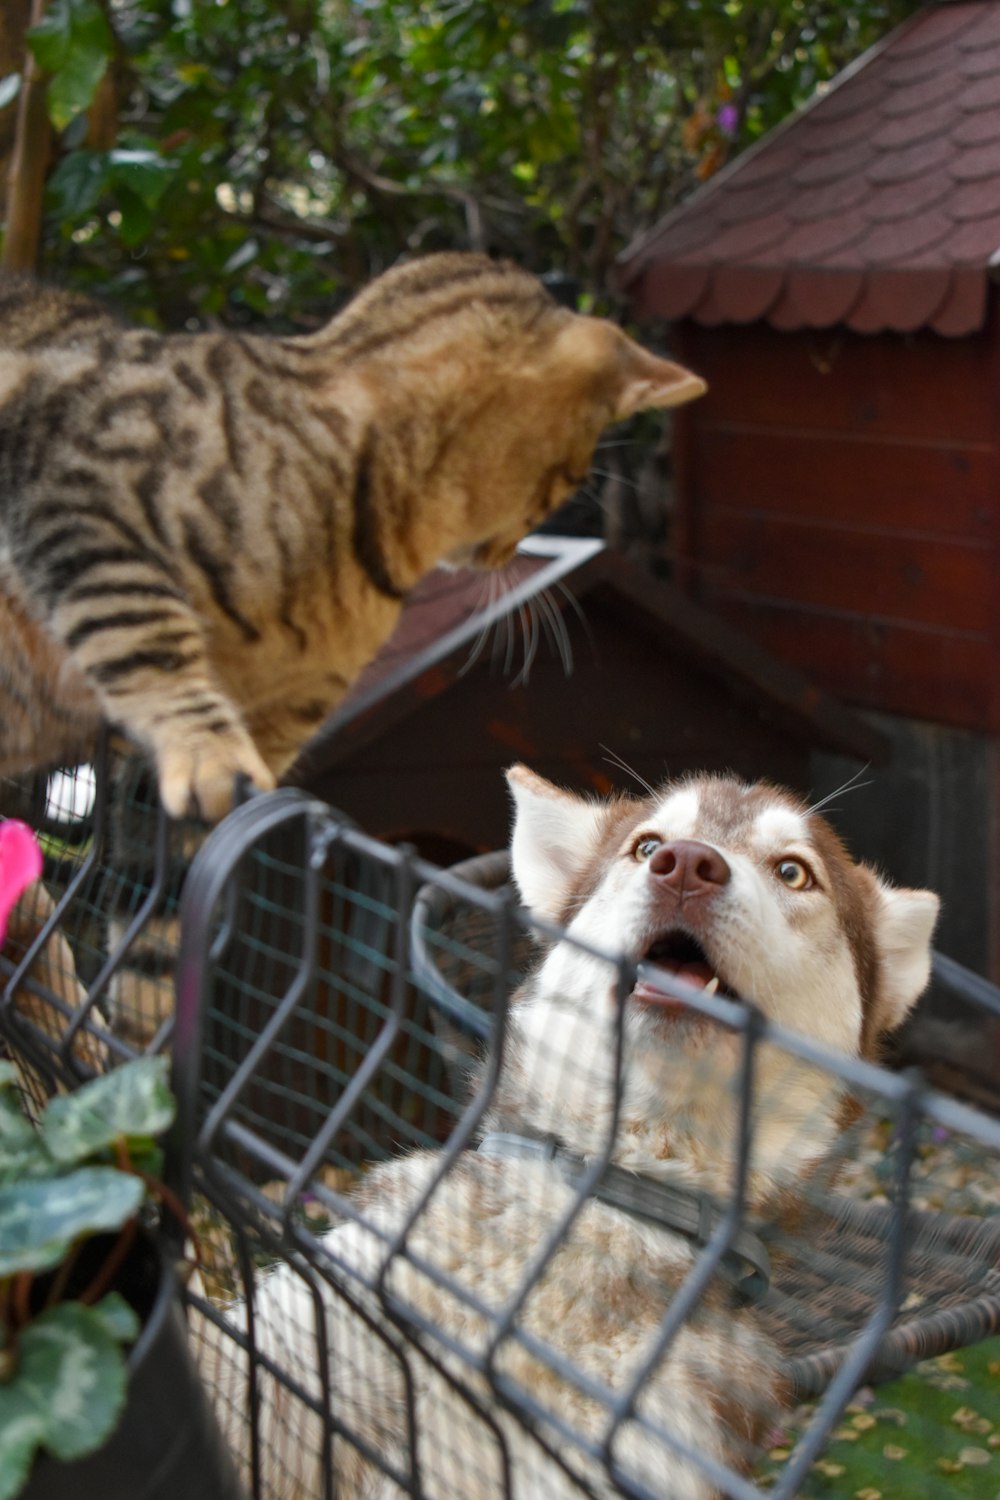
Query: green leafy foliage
(80, 1172)
(271, 157)
(132, 1103)
(68, 1392)
(41, 1219)
(72, 43)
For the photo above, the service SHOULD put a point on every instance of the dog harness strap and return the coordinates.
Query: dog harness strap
(745, 1264)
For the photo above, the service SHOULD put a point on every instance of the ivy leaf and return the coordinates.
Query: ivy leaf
(67, 1392)
(40, 1219)
(72, 43)
(130, 1101)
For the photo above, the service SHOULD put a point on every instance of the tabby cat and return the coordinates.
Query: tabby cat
(204, 537)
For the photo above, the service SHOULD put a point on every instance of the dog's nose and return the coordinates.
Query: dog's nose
(689, 868)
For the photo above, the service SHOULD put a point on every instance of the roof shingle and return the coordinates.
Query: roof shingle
(877, 205)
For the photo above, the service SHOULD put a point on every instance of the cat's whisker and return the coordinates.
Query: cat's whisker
(529, 636)
(614, 476)
(487, 597)
(564, 589)
(556, 631)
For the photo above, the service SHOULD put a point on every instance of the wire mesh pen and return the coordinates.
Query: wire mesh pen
(366, 1322)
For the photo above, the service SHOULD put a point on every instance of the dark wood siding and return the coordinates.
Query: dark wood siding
(838, 500)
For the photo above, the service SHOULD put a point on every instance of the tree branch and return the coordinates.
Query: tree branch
(28, 165)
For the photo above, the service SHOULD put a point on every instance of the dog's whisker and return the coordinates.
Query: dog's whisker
(853, 784)
(614, 759)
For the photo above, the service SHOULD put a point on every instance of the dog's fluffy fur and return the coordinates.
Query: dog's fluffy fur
(710, 879)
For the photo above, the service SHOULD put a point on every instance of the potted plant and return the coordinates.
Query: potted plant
(99, 1395)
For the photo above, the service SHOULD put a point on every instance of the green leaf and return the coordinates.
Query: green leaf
(10, 87)
(68, 1390)
(40, 1219)
(120, 1320)
(133, 1100)
(77, 183)
(136, 218)
(145, 173)
(22, 1428)
(242, 255)
(72, 43)
(22, 1153)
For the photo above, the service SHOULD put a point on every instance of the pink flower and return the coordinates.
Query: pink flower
(20, 864)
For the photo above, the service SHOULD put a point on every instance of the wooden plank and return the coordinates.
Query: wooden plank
(925, 674)
(675, 624)
(846, 479)
(924, 581)
(894, 385)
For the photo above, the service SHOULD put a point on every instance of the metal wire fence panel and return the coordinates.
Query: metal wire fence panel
(458, 1322)
(87, 970)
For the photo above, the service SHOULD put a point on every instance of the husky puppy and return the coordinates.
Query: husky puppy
(481, 1339)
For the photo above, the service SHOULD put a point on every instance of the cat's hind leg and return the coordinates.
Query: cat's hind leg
(49, 714)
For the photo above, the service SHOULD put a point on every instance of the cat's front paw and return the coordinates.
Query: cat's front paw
(198, 778)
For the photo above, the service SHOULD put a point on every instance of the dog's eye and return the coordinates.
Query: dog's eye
(647, 846)
(794, 874)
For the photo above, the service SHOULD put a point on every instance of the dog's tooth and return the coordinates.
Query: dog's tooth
(712, 985)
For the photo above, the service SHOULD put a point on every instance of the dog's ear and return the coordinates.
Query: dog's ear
(554, 834)
(904, 925)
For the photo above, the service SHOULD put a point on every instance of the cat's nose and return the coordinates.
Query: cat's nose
(688, 868)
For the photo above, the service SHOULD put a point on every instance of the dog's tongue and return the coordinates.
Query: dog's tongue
(695, 974)
(698, 975)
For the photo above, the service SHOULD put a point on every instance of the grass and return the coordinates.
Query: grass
(933, 1434)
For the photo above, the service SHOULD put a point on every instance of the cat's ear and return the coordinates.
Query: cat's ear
(554, 834)
(647, 381)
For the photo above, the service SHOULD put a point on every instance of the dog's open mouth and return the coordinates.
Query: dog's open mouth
(678, 953)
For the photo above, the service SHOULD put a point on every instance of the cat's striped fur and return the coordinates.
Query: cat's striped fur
(204, 537)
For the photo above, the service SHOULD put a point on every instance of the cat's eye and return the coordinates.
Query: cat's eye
(793, 873)
(646, 846)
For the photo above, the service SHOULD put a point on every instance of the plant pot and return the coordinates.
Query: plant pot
(167, 1445)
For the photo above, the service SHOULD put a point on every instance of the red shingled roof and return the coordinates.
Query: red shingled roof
(877, 205)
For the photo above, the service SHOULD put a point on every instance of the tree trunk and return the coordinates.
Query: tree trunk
(14, 16)
(27, 166)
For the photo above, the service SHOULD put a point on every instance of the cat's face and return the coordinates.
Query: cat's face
(533, 440)
(488, 398)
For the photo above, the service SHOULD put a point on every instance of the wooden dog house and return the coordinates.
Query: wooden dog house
(838, 489)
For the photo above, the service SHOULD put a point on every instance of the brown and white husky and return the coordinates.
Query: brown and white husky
(482, 1366)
